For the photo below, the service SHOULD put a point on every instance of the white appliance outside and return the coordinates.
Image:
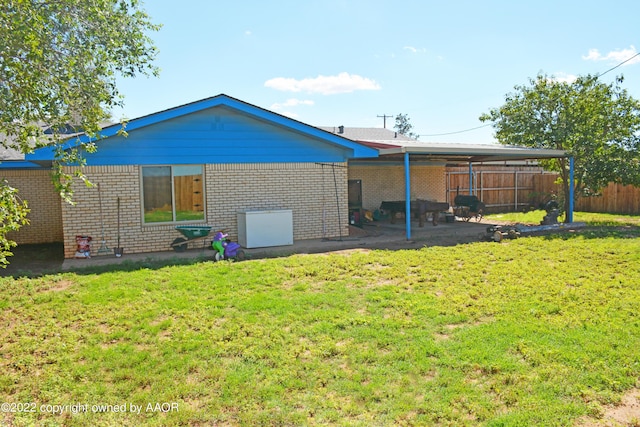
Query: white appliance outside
(261, 229)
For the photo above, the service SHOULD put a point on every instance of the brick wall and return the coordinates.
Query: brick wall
(308, 189)
(36, 187)
(386, 183)
(87, 215)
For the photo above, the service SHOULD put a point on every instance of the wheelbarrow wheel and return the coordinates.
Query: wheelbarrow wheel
(179, 244)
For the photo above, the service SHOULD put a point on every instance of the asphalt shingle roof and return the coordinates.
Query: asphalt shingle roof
(367, 134)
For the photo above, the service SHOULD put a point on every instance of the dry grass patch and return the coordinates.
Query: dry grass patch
(624, 414)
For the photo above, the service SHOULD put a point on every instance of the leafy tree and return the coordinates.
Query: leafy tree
(404, 127)
(596, 123)
(59, 61)
(13, 215)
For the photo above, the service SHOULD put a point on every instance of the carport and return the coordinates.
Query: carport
(464, 153)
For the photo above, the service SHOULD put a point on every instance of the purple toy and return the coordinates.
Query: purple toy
(226, 249)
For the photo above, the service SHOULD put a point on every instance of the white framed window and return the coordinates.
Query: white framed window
(172, 193)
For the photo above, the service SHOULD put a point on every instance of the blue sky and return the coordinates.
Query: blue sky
(343, 62)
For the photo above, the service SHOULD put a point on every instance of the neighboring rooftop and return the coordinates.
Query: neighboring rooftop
(368, 134)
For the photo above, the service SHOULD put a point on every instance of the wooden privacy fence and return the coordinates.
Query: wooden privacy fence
(616, 198)
(501, 190)
(509, 189)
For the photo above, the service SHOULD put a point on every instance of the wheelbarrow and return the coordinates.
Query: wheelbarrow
(191, 233)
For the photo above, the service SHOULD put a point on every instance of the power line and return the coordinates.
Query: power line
(622, 63)
(459, 131)
(489, 124)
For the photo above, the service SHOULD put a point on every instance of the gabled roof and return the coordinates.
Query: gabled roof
(222, 100)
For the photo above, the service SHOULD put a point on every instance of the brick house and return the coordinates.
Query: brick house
(203, 162)
(196, 164)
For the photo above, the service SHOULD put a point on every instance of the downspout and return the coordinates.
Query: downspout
(569, 218)
(407, 196)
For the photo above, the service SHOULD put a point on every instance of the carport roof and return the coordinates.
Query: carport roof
(392, 146)
(457, 152)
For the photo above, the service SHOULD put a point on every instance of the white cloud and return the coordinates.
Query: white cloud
(325, 85)
(615, 56)
(247, 33)
(564, 78)
(292, 102)
(414, 49)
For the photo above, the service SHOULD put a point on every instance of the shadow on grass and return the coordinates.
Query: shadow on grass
(598, 231)
(144, 264)
(34, 260)
(39, 260)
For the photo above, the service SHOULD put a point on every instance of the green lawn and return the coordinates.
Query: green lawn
(537, 331)
(594, 219)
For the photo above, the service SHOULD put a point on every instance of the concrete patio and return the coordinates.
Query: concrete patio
(374, 235)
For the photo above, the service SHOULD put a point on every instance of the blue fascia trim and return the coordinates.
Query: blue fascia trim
(359, 150)
(12, 164)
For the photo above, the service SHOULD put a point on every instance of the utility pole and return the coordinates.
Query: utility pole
(384, 117)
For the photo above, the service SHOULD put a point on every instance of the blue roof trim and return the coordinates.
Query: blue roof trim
(20, 164)
(359, 150)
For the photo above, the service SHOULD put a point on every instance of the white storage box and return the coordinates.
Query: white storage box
(261, 229)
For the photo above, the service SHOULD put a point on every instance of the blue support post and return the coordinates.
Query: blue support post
(470, 179)
(569, 218)
(407, 195)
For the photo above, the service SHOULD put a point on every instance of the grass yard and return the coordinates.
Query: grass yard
(537, 331)
(592, 219)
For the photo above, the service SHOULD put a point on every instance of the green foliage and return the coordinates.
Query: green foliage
(404, 127)
(596, 123)
(517, 333)
(59, 64)
(13, 215)
(59, 61)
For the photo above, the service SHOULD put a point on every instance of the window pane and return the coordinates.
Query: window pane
(156, 187)
(187, 184)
